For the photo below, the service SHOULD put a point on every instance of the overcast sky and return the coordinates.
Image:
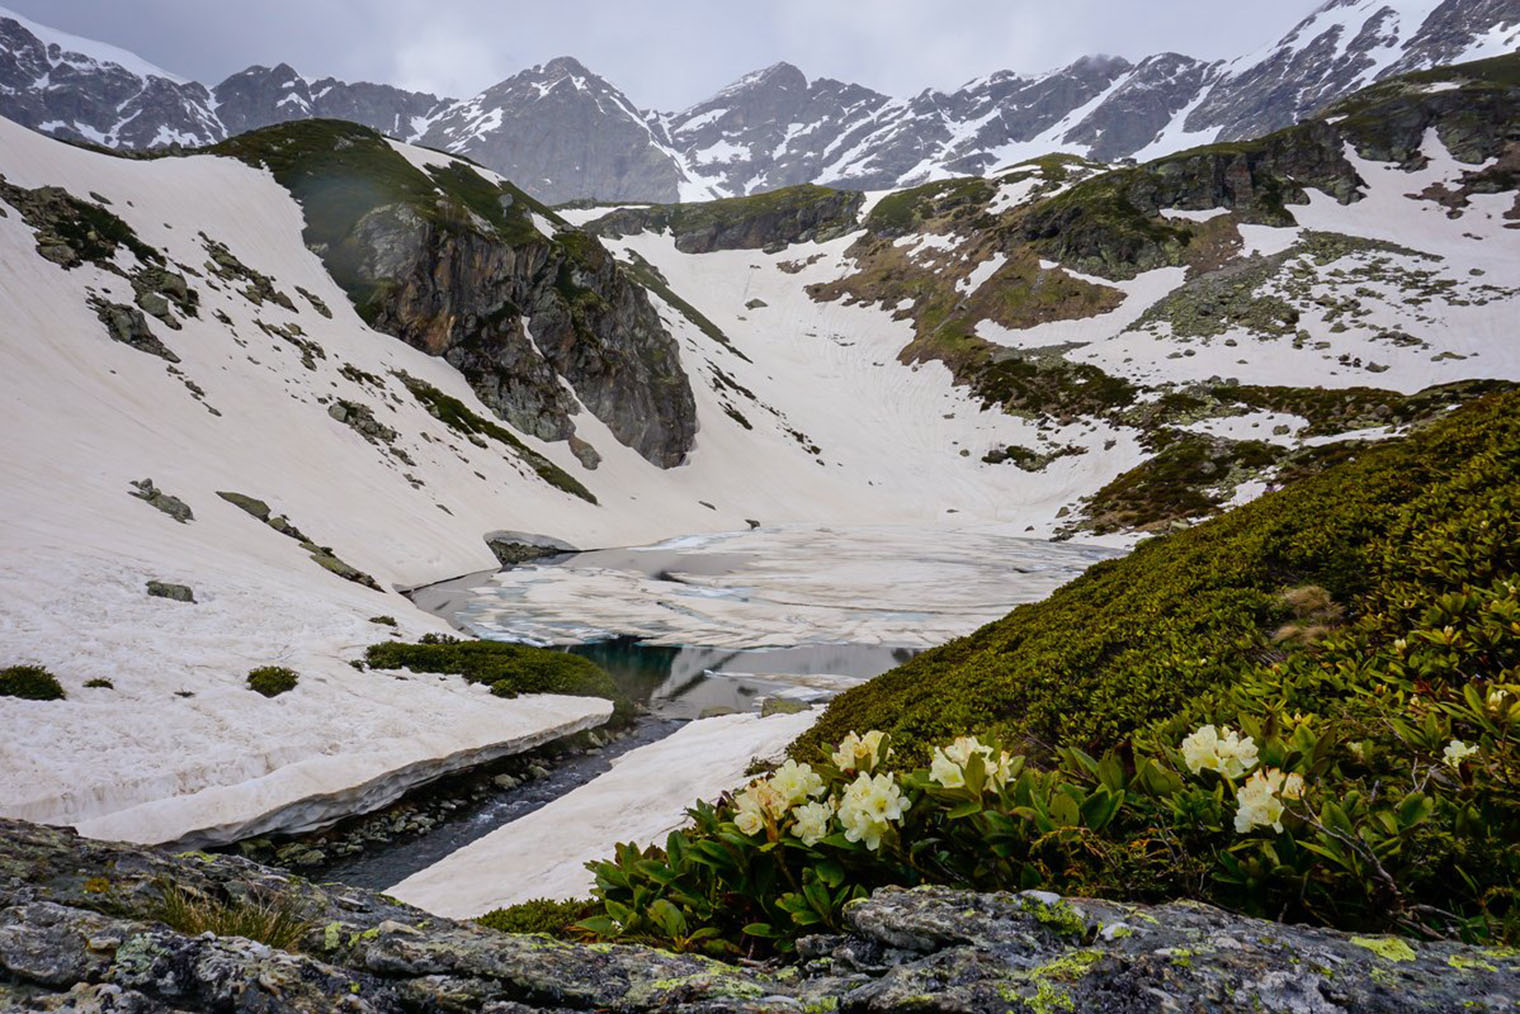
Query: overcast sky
(665, 55)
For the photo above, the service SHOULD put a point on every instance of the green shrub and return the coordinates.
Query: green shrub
(192, 913)
(383, 621)
(100, 684)
(542, 915)
(272, 680)
(1136, 639)
(31, 683)
(508, 669)
(1166, 742)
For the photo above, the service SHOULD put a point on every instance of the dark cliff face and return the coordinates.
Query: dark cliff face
(477, 272)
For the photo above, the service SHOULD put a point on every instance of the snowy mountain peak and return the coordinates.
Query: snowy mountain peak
(563, 67)
(77, 51)
(777, 75)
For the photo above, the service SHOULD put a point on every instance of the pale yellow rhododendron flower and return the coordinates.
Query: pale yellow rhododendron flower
(869, 807)
(948, 766)
(1456, 752)
(812, 821)
(859, 753)
(1222, 750)
(747, 815)
(796, 782)
(1260, 799)
(758, 804)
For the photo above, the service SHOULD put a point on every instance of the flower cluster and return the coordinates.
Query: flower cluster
(766, 801)
(1222, 750)
(1260, 799)
(789, 800)
(869, 807)
(861, 753)
(948, 766)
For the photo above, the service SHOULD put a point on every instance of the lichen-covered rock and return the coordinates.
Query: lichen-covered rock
(79, 930)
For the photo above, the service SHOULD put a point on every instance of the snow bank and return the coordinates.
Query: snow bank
(642, 799)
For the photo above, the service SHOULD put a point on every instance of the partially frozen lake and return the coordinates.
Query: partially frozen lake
(714, 620)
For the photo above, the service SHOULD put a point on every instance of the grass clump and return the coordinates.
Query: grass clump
(99, 683)
(277, 924)
(30, 683)
(273, 680)
(508, 669)
(542, 915)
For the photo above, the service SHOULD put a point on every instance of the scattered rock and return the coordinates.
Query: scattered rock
(174, 592)
(170, 505)
(126, 324)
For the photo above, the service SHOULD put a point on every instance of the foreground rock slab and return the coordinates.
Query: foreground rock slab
(78, 932)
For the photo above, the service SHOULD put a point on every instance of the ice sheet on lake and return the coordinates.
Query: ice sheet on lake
(891, 585)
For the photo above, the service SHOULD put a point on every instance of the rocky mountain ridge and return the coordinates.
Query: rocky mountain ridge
(564, 133)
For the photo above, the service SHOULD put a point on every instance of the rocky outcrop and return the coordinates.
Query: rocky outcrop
(770, 221)
(479, 273)
(512, 548)
(83, 927)
(515, 317)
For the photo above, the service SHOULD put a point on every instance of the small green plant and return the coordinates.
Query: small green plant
(383, 621)
(30, 683)
(272, 680)
(275, 923)
(100, 683)
(507, 669)
(542, 915)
